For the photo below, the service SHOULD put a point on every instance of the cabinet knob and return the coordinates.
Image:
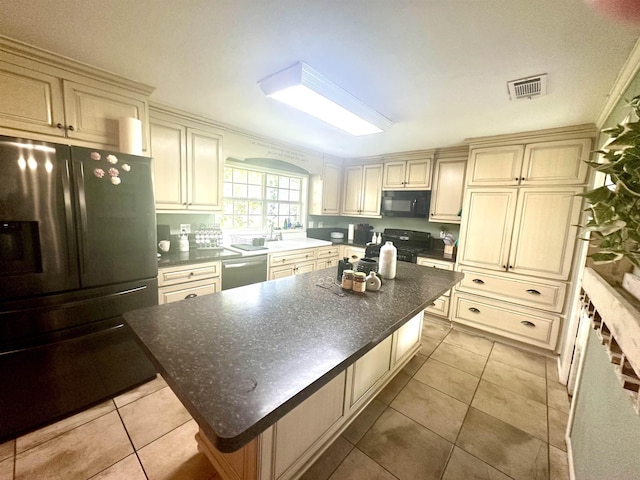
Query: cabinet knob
(478, 281)
(516, 179)
(527, 323)
(70, 127)
(522, 179)
(474, 310)
(60, 126)
(504, 266)
(191, 295)
(533, 291)
(511, 267)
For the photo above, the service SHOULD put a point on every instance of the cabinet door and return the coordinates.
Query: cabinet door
(169, 160)
(93, 114)
(448, 190)
(394, 175)
(486, 227)
(495, 166)
(371, 190)
(418, 174)
(30, 100)
(281, 272)
(556, 163)
(204, 170)
(352, 190)
(545, 231)
(353, 253)
(370, 368)
(307, 267)
(331, 190)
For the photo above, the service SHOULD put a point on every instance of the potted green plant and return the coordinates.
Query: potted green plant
(614, 222)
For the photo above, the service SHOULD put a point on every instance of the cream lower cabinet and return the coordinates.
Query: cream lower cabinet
(352, 253)
(362, 190)
(526, 325)
(290, 446)
(187, 162)
(529, 231)
(440, 306)
(291, 263)
(324, 191)
(183, 282)
(327, 257)
(78, 103)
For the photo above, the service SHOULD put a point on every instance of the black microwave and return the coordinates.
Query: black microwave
(401, 203)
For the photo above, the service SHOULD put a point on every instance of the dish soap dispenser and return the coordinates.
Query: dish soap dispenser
(184, 242)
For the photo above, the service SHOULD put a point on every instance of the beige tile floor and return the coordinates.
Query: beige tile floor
(463, 408)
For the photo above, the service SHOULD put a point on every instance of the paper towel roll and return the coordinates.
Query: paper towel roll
(350, 232)
(130, 135)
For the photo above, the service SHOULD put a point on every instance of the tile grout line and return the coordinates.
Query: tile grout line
(135, 450)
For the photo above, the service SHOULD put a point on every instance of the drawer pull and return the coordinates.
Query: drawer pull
(533, 291)
(527, 323)
(474, 310)
(191, 295)
(478, 281)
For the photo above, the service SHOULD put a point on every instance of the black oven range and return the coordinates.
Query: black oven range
(409, 244)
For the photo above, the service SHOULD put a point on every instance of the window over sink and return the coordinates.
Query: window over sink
(256, 198)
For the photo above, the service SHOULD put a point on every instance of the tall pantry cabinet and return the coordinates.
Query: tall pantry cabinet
(519, 233)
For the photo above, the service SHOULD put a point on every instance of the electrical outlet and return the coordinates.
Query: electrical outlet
(311, 223)
(320, 224)
(185, 227)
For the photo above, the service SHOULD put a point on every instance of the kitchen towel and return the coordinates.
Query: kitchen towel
(130, 135)
(350, 232)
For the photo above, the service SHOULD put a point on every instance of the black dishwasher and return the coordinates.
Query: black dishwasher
(242, 271)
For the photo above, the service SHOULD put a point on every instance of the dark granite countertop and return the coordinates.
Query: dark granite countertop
(241, 359)
(173, 258)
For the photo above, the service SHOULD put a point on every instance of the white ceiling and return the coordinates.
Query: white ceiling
(437, 69)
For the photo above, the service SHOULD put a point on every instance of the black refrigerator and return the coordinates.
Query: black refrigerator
(77, 250)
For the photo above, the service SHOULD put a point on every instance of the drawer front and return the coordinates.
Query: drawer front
(322, 264)
(428, 262)
(292, 257)
(188, 290)
(440, 307)
(174, 275)
(328, 252)
(500, 318)
(546, 295)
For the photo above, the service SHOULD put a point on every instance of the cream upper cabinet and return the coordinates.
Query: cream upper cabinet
(361, 192)
(187, 163)
(448, 190)
(45, 101)
(560, 162)
(324, 191)
(487, 225)
(528, 231)
(31, 101)
(407, 174)
(93, 114)
(556, 163)
(204, 170)
(495, 166)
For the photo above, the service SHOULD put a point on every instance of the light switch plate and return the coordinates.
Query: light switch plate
(186, 227)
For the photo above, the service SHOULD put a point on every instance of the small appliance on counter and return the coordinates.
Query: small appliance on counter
(362, 233)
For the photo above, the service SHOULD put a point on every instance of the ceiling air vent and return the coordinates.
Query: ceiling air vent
(528, 87)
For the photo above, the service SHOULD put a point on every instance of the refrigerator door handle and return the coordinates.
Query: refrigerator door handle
(82, 208)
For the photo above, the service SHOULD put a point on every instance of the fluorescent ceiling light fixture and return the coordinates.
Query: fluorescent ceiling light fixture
(304, 88)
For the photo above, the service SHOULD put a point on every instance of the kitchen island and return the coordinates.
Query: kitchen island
(274, 371)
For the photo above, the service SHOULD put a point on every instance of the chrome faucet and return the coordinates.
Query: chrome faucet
(278, 235)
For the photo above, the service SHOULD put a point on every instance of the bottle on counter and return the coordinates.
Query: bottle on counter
(374, 238)
(343, 265)
(379, 238)
(373, 282)
(387, 261)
